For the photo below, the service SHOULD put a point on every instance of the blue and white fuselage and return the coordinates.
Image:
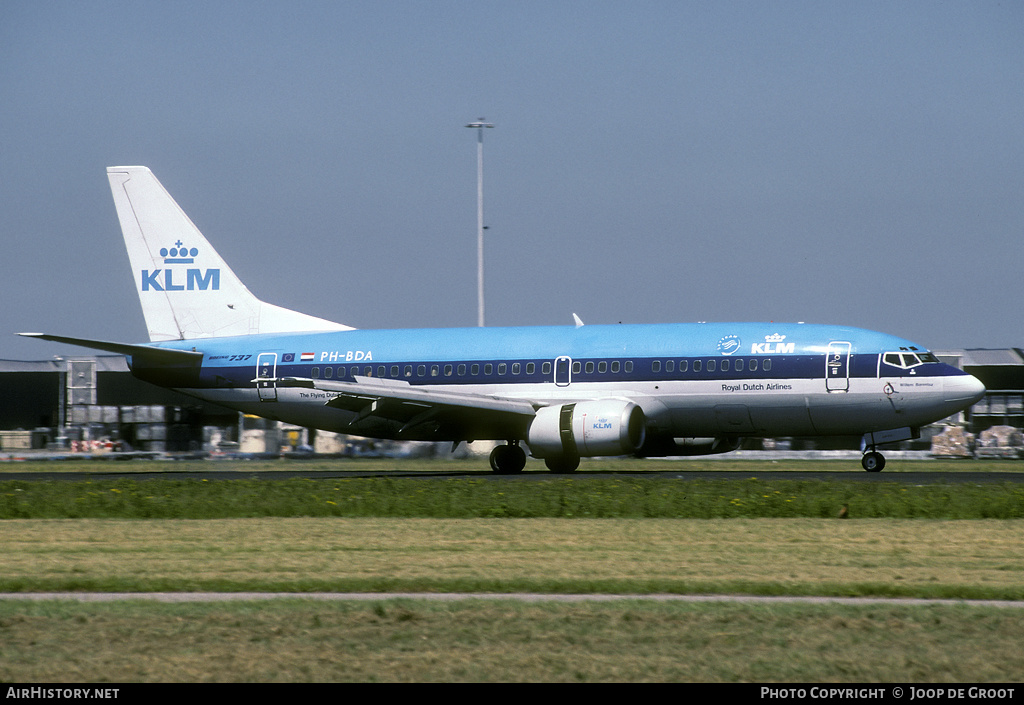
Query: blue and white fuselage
(566, 392)
(689, 380)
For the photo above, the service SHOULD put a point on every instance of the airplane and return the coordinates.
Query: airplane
(561, 392)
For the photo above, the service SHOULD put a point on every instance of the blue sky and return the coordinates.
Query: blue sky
(853, 162)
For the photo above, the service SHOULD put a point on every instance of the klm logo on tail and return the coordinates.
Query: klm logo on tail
(195, 279)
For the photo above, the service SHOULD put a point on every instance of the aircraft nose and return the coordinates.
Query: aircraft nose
(963, 390)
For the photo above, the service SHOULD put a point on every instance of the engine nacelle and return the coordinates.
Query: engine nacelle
(588, 428)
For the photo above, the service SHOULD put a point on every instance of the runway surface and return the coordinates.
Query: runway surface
(163, 473)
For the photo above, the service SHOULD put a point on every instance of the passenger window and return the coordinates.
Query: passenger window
(531, 367)
(739, 365)
(545, 368)
(462, 370)
(434, 370)
(684, 365)
(368, 371)
(628, 366)
(696, 366)
(602, 367)
(328, 372)
(711, 365)
(656, 366)
(615, 365)
(576, 368)
(474, 370)
(421, 370)
(767, 365)
(725, 365)
(590, 367)
(394, 370)
(502, 367)
(515, 368)
(380, 370)
(316, 373)
(753, 365)
(488, 368)
(447, 370)
(670, 365)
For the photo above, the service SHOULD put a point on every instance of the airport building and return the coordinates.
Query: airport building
(93, 404)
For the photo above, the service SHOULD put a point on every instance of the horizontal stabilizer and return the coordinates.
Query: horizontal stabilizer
(165, 355)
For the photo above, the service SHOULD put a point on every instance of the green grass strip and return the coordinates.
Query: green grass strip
(582, 497)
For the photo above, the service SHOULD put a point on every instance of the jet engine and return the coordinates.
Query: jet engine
(589, 428)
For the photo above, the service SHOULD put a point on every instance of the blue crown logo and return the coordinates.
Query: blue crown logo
(179, 254)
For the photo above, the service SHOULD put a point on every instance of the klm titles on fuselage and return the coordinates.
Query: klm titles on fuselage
(770, 348)
(195, 279)
(772, 345)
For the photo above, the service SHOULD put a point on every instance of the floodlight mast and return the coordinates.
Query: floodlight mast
(480, 125)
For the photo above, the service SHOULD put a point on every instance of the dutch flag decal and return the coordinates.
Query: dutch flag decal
(308, 357)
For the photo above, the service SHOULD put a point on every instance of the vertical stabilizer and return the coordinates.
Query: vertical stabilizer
(187, 291)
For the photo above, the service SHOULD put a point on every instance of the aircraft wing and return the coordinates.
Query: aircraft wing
(421, 411)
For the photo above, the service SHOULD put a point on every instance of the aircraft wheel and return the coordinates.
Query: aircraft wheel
(562, 464)
(508, 459)
(873, 461)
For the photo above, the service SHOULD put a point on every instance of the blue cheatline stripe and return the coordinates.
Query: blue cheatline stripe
(513, 372)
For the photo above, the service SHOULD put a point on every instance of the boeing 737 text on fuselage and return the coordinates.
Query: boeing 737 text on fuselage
(559, 393)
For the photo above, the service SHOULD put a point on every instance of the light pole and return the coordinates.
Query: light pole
(480, 125)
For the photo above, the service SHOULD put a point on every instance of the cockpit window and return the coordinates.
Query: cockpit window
(905, 360)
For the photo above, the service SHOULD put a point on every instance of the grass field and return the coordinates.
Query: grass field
(596, 534)
(462, 494)
(418, 641)
(898, 558)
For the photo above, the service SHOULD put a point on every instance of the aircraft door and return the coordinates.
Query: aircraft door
(837, 367)
(266, 376)
(563, 371)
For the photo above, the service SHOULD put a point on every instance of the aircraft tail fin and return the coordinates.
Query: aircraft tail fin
(186, 289)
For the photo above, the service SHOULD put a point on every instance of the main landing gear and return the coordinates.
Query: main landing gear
(508, 459)
(873, 461)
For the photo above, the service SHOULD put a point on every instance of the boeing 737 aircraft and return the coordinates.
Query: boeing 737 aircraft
(566, 392)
